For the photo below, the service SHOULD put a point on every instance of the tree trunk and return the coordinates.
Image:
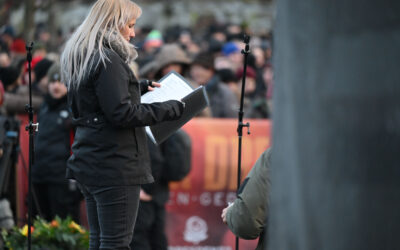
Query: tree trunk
(52, 26)
(29, 22)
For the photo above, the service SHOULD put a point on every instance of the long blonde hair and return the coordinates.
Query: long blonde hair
(104, 16)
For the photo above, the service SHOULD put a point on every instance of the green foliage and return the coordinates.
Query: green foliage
(54, 235)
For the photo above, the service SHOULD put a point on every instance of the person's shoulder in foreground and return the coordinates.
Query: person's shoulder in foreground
(247, 216)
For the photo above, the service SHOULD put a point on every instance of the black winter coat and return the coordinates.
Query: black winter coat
(52, 146)
(170, 161)
(110, 146)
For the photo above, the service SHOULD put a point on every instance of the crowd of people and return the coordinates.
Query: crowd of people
(209, 56)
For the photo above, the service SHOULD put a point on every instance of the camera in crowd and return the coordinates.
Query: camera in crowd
(9, 143)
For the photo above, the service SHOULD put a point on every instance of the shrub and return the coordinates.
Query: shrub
(55, 235)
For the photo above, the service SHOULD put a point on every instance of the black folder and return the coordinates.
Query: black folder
(195, 102)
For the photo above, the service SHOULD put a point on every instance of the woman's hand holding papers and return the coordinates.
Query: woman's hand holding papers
(153, 85)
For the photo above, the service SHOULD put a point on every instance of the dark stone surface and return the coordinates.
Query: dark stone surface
(336, 152)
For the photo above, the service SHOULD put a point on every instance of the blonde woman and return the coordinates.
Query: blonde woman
(110, 158)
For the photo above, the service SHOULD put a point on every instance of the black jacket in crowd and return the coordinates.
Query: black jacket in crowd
(170, 161)
(110, 146)
(52, 142)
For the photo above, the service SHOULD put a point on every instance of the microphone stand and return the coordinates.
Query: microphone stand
(31, 128)
(245, 52)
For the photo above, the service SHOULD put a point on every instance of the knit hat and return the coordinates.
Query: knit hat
(41, 68)
(205, 60)
(250, 72)
(8, 75)
(153, 39)
(54, 73)
(18, 46)
(230, 48)
(226, 75)
(8, 30)
(35, 60)
(215, 45)
(168, 54)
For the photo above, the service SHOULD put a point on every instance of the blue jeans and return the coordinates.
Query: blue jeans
(111, 215)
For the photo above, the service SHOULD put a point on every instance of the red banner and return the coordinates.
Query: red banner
(22, 171)
(195, 206)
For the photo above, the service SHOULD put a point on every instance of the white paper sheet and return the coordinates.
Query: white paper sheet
(172, 87)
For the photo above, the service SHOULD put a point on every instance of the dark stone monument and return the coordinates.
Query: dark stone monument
(336, 151)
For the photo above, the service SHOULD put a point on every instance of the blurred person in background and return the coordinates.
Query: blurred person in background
(170, 161)
(1, 103)
(7, 35)
(231, 51)
(11, 78)
(215, 39)
(268, 76)
(151, 46)
(153, 41)
(258, 62)
(223, 102)
(187, 43)
(16, 95)
(234, 32)
(169, 57)
(18, 48)
(25, 77)
(254, 104)
(39, 50)
(5, 59)
(228, 77)
(266, 45)
(41, 82)
(42, 36)
(55, 194)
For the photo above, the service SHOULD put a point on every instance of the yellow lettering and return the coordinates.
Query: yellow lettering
(216, 165)
(184, 184)
(233, 164)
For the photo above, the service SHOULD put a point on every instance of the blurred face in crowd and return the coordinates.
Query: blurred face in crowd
(219, 36)
(236, 59)
(250, 85)
(173, 66)
(7, 39)
(234, 86)
(4, 60)
(43, 83)
(40, 53)
(223, 62)
(57, 89)
(200, 74)
(16, 83)
(193, 48)
(259, 55)
(268, 76)
(128, 31)
(234, 29)
(44, 36)
(185, 38)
